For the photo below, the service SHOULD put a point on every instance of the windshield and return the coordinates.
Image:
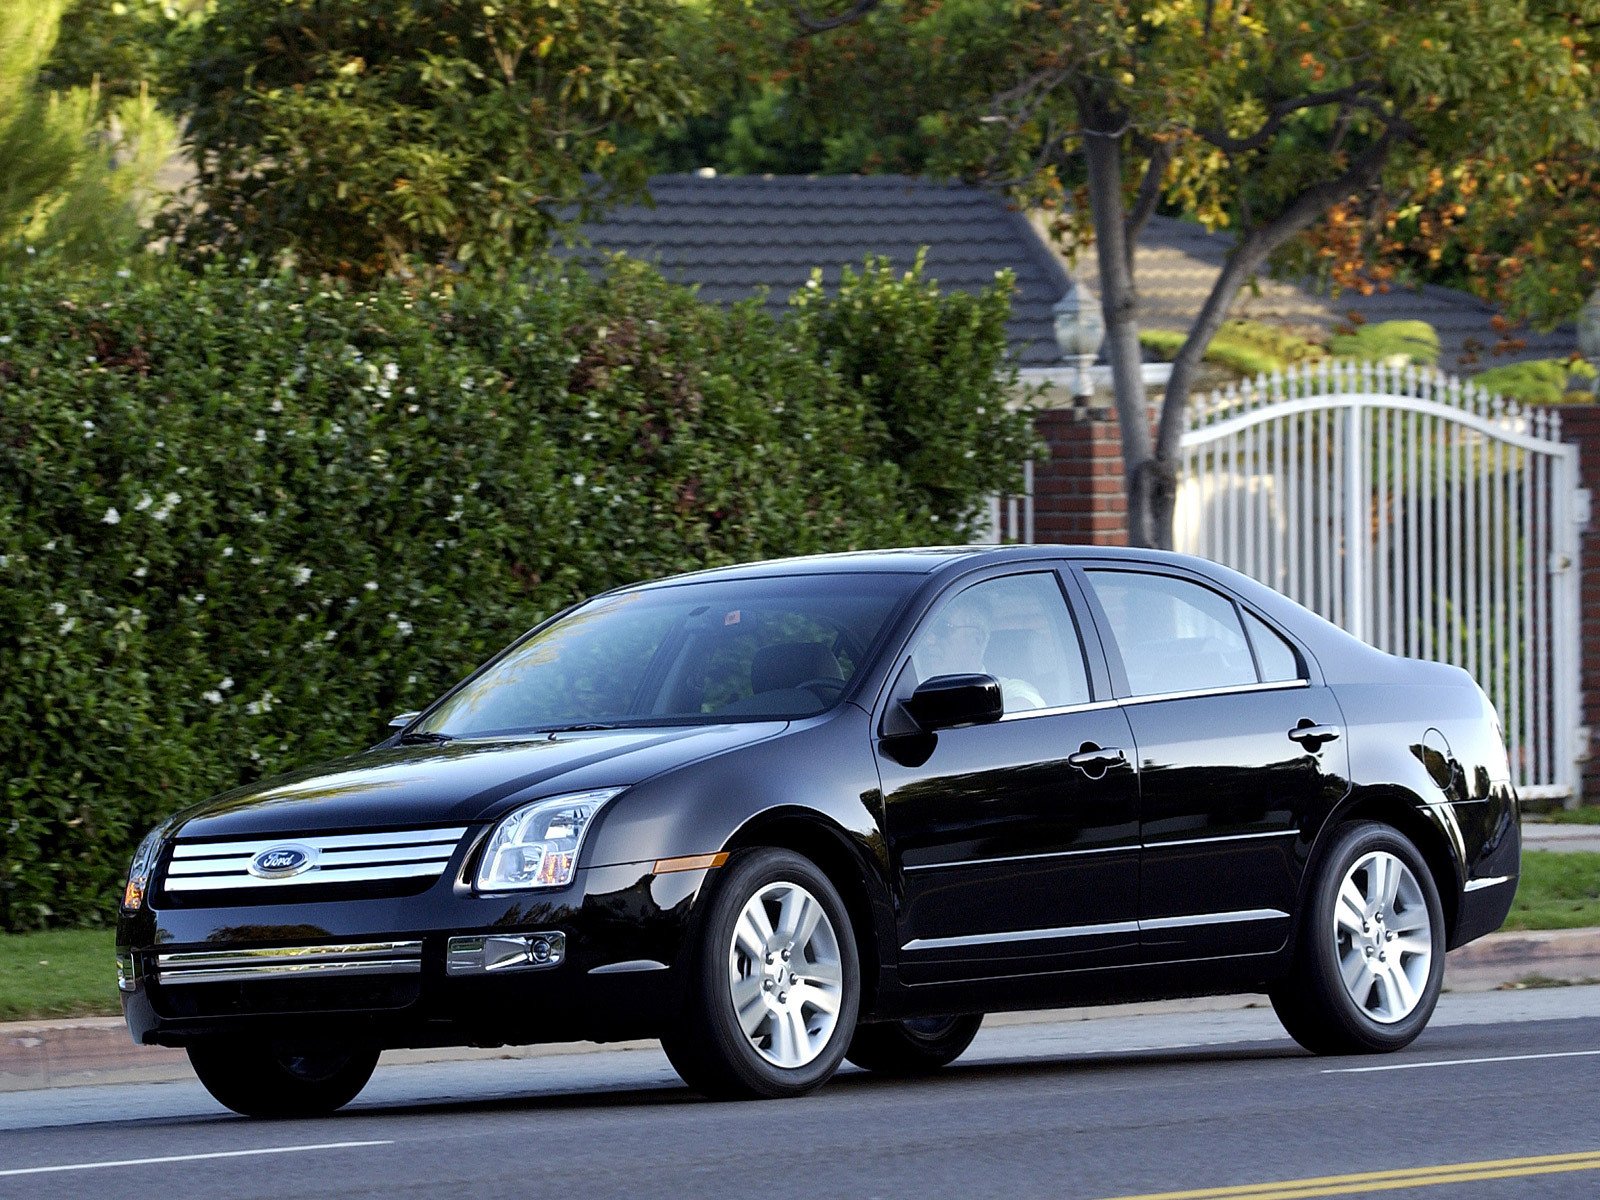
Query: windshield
(694, 653)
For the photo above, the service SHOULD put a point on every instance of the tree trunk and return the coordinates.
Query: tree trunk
(1118, 303)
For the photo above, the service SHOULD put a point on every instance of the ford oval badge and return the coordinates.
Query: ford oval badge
(280, 862)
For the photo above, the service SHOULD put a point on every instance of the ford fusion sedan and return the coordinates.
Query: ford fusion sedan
(791, 813)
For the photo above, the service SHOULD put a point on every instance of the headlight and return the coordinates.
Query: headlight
(144, 865)
(537, 845)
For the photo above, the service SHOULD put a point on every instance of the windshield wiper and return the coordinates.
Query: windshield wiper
(426, 736)
(578, 727)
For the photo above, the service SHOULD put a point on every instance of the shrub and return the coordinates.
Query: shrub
(1541, 381)
(243, 520)
(1247, 347)
(1396, 342)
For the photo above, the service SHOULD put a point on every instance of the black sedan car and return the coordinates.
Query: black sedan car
(789, 813)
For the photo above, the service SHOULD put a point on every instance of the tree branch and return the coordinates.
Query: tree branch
(1357, 95)
(810, 24)
(1147, 197)
(1246, 259)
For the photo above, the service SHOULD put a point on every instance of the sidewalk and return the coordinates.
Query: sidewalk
(96, 1050)
(1546, 835)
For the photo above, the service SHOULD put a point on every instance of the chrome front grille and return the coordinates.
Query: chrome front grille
(324, 859)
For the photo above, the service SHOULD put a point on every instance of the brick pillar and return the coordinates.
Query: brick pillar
(1078, 495)
(1581, 424)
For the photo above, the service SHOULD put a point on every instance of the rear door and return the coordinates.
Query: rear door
(1016, 843)
(1238, 747)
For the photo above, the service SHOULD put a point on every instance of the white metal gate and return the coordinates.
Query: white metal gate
(1421, 514)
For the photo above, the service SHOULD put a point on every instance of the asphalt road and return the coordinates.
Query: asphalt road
(1059, 1108)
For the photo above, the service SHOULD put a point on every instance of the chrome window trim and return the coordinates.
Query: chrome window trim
(1236, 689)
(1058, 710)
(1222, 918)
(1020, 935)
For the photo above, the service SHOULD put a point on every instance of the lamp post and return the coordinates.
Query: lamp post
(1588, 335)
(1079, 331)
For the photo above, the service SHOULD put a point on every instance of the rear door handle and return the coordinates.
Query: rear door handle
(1095, 762)
(1312, 736)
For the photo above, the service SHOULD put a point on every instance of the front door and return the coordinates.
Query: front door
(1016, 842)
(1239, 751)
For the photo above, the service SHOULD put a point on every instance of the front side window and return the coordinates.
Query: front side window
(1017, 629)
(694, 653)
(1173, 635)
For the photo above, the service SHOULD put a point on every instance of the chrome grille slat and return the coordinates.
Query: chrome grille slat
(276, 962)
(345, 858)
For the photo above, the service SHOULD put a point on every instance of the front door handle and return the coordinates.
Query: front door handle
(1095, 762)
(1311, 735)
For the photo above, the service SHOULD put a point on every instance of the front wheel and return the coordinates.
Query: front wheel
(913, 1047)
(282, 1079)
(1369, 961)
(773, 985)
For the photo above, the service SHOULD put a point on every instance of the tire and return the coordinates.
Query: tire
(917, 1047)
(280, 1079)
(1373, 917)
(744, 959)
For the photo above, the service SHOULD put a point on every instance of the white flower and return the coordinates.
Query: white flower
(5, 560)
(404, 627)
(227, 683)
(391, 372)
(59, 609)
(579, 479)
(227, 552)
(329, 636)
(276, 406)
(212, 697)
(50, 545)
(144, 502)
(371, 585)
(69, 624)
(170, 499)
(302, 575)
(261, 436)
(112, 517)
(140, 572)
(199, 597)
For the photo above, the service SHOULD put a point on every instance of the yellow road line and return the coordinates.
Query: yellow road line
(1382, 1181)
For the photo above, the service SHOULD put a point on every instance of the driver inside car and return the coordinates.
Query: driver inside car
(956, 642)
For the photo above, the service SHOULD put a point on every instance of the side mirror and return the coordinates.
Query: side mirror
(404, 719)
(947, 701)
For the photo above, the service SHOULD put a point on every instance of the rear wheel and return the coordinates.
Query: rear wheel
(913, 1047)
(773, 985)
(282, 1079)
(1369, 961)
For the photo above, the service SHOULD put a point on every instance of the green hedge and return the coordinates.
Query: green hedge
(243, 520)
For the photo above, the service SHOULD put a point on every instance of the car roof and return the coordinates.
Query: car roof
(910, 560)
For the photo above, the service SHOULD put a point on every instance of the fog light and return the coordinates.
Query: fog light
(127, 974)
(488, 954)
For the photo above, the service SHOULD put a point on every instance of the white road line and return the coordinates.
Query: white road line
(172, 1158)
(1458, 1062)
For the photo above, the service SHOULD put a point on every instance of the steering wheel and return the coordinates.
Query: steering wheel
(822, 681)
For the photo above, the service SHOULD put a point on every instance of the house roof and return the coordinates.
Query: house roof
(735, 235)
(1176, 262)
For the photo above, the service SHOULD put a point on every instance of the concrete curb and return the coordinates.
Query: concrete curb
(96, 1050)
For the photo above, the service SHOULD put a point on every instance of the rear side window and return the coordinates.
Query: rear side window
(1279, 662)
(1173, 635)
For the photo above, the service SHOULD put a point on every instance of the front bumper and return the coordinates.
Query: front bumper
(592, 961)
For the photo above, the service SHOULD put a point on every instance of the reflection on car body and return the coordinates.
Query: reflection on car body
(787, 813)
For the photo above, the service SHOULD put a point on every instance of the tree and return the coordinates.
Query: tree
(76, 175)
(1264, 118)
(366, 135)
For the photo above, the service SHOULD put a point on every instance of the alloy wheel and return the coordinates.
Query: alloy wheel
(786, 974)
(1383, 936)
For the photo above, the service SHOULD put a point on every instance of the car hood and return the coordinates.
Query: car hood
(404, 786)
